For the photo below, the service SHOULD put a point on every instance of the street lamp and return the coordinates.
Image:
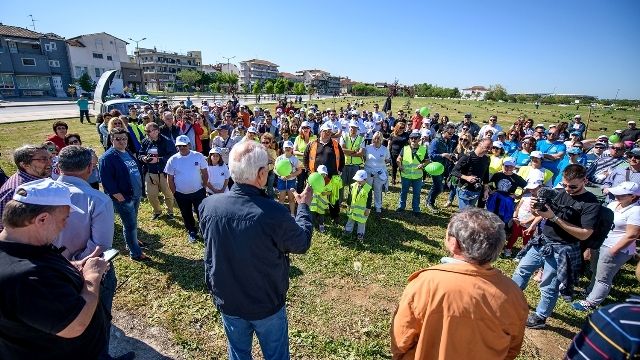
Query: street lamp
(138, 60)
(229, 58)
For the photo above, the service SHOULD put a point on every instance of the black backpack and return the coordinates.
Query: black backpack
(601, 229)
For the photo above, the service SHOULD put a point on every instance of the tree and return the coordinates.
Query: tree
(245, 88)
(229, 79)
(299, 89)
(269, 87)
(86, 83)
(496, 92)
(257, 88)
(214, 88)
(280, 86)
(189, 77)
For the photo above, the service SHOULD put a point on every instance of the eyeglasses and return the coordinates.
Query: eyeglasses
(567, 186)
(266, 142)
(75, 141)
(120, 138)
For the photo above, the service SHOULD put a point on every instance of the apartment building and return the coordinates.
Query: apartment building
(32, 63)
(255, 70)
(161, 67)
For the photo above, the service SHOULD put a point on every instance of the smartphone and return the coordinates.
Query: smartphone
(110, 254)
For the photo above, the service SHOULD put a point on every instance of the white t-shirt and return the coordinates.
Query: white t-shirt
(217, 176)
(294, 165)
(186, 171)
(375, 158)
(629, 215)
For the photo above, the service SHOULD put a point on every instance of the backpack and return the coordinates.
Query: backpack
(601, 229)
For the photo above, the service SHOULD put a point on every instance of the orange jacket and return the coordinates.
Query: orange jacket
(459, 311)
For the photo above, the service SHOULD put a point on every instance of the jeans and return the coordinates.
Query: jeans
(416, 185)
(272, 333)
(467, 198)
(436, 189)
(361, 228)
(271, 179)
(604, 267)
(549, 286)
(188, 203)
(83, 114)
(128, 211)
(452, 193)
(377, 185)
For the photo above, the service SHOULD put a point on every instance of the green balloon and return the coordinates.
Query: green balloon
(283, 167)
(434, 168)
(424, 111)
(614, 139)
(316, 181)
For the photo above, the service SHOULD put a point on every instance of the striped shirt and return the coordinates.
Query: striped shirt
(596, 173)
(612, 332)
(9, 187)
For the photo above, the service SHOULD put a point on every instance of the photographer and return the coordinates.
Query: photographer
(473, 172)
(570, 217)
(155, 150)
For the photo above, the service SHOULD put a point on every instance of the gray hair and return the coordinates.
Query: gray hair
(480, 234)
(74, 158)
(167, 113)
(25, 153)
(245, 160)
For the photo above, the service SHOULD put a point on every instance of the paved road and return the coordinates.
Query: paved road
(9, 114)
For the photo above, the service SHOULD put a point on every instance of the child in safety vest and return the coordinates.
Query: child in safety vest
(287, 184)
(360, 204)
(320, 201)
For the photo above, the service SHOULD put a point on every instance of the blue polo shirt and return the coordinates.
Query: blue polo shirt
(551, 148)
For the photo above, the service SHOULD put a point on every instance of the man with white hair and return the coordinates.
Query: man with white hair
(248, 239)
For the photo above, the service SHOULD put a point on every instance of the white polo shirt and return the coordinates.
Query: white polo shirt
(186, 171)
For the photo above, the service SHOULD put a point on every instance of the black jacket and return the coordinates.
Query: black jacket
(248, 237)
(165, 147)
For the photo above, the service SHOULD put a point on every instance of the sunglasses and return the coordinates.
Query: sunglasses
(617, 148)
(120, 138)
(567, 186)
(74, 141)
(266, 142)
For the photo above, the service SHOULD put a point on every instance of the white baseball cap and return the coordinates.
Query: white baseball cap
(183, 140)
(305, 124)
(287, 144)
(533, 184)
(45, 192)
(322, 169)
(624, 188)
(509, 162)
(353, 123)
(360, 175)
(215, 150)
(252, 129)
(497, 144)
(536, 154)
(326, 126)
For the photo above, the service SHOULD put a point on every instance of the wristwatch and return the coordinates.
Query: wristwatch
(554, 219)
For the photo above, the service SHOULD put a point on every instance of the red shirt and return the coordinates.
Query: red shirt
(57, 140)
(416, 122)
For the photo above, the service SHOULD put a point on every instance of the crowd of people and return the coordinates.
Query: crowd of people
(573, 201)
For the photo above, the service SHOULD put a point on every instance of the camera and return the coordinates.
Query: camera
(477, 186)
(545, 197)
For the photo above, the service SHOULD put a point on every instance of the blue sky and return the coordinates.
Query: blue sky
(584, 47)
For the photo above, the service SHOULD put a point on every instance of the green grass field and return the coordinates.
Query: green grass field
(336, 310)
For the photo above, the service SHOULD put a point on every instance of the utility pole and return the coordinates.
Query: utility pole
(616, 95)
(142, 89)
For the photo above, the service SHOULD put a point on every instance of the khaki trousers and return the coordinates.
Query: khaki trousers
(155, 184)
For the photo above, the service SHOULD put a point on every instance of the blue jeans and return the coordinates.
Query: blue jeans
(436, 189)
(467, 198)
(549, 286)
(272, 333)
(416, 185)
(128, 211)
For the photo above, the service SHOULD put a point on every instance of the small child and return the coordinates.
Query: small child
(287, 184)
(218, 173)
(360, 205)
(524, 222)
(320, 201)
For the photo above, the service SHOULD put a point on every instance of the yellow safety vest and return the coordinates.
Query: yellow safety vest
(354, 146)
(410, 164)
(320, 202)
(301, 146)
(359, 202)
